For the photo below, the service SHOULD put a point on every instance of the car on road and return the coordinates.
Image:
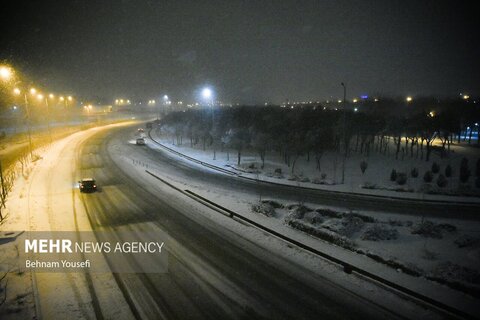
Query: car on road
(140, 141)
(88, 185)
(140, 130)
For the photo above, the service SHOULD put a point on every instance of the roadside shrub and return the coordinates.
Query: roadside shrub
(330, 213)
(278, 171)
(379, 232)
(465, 241)
(435, 167)
(427, 229)
(393, 175)
(323, 234)
(264, 208)
(448, 171)
(442, 181)
(363, 166)
(464, 171)
(273, 203)
(323, 176)
(414, 173)
(401, 178)
(428, 176)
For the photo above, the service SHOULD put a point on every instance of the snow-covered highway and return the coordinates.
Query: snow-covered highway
(217, 267)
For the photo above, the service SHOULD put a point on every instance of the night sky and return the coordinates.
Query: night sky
(248, 51)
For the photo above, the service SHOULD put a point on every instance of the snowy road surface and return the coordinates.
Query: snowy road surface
(212, 271)
(218, 268)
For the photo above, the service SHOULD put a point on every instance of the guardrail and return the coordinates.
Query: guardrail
(356, 194)
(205, 164)
(347, 267)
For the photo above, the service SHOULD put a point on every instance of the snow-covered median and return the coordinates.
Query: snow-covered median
(376, 180)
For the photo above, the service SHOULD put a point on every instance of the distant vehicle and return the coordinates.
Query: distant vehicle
(140, 141)
(149, 125)
(88, 185)
(140, 130)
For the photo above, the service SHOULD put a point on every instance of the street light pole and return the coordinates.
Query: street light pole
(48, 119)
(27, 110)
(344, 131)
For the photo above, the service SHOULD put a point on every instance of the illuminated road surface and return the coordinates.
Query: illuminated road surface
(213, 272)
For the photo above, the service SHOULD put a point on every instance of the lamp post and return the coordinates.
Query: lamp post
(18, 92)
(51, 96)
(207, 95)
(344, 131)
(165, 102)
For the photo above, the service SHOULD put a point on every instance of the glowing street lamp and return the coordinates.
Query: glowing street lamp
(33, 91)
(207, 93)
(6, 73)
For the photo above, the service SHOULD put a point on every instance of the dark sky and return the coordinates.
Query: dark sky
(248, 51)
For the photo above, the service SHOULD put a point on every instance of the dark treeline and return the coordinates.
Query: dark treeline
(311, 131)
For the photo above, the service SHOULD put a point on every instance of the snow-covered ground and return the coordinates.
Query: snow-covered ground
(44, 200)
(377, 174)
(450, 251)
(30, 209)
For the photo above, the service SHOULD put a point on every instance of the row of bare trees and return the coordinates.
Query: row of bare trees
(313, 131)
(7, 178)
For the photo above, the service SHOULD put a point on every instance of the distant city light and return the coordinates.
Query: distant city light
(376, 100)
(466, 97)
(364, 96)
(51, 96)
(33, 90)
(356, 109)
(355, 100)
(409, 99)
(16, 91)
